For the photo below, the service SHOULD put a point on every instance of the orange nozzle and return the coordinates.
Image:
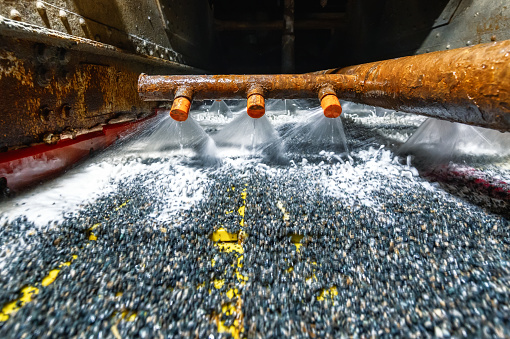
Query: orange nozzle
(331, 106)
(256, 106)
(180, 109)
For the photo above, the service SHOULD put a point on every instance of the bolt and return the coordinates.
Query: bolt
(66, 111)
(43, 53)
(15, 15)
(44, 77)
(62, 15)
(44, 113)
(41, 8)
(63, 56)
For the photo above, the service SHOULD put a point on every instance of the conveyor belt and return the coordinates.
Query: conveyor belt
(270, 251)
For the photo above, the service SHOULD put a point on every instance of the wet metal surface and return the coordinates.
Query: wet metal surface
(469, 85)
(55, 83)
(277, 86)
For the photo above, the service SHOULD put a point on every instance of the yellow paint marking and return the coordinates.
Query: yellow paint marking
(94, 226)
(228, 309)
(241, 210)
(330, 292)
(14, 306)
(92, 236)
(223, 235)
(232, 292)
(230, 247)
(296, 240)
(29, 291)
(241, 277)
(233, 245)
(218, 283)
(286, 215)
(309, 279)
(129, 316)
(121, 205)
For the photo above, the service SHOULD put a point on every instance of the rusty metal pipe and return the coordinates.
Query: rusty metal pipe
(277, 86)
(469, 85)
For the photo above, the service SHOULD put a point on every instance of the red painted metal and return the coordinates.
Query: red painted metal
(473, 185)
(29, 166)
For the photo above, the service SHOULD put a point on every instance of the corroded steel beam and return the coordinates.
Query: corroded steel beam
(469, 85)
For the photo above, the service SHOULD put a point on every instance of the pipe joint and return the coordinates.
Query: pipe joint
(329, 102)
(182, 103)
(256, 104)
(326, 90)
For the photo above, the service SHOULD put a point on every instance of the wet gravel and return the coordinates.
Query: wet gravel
(411, 261)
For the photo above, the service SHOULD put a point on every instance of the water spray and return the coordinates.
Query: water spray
(444, 85)
(182, 89)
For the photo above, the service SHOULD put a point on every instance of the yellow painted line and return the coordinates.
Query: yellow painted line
(122, 205)
(28, 292)
(218, 283)
(222, 235)
(230, 247)
(296, 240)
(95, 226)
(233, 245)
(241, 210)
(92, 236)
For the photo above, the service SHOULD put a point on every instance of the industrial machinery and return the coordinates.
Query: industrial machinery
(333, 244)
(69, 71)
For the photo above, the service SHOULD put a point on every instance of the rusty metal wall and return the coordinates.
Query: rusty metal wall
(54, 83)
(173, 30)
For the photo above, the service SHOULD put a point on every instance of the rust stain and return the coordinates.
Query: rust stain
(280, 86)
(49, 97)
(469, 85)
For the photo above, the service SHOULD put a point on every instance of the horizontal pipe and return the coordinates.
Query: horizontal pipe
(469, 85)
(200, 87)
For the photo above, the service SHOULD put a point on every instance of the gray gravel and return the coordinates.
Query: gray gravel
(419, 263)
